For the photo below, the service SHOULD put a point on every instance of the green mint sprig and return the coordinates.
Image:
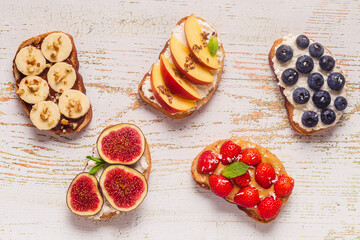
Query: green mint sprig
(235, 169)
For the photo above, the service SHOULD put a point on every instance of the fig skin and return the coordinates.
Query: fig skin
(89, 212)
(127, 170)
(118, 127)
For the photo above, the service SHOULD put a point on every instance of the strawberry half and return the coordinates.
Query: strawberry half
(229, 152)
(247, 197)
(208, 162)
(265, 175)
(220, 185)
(251, 156)
(283, 186)
(242, 180)
(269, 207)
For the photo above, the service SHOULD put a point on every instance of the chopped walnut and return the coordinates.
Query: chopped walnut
(33, 85)
(64, 121)
(37, 40)
(74, 104)
(44, 115)
(74, 125)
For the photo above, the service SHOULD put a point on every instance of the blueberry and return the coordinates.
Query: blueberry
(321, 99)
(316, 50)
(289, 76)
(340, 103)
(304, 64)
(315, 81)
(310, 119)
(284, 53)
(302, 41)
(327, 63)
(336, 81)
(301, 95)
(328, 116)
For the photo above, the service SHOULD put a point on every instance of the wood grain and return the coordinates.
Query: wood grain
(117, 43)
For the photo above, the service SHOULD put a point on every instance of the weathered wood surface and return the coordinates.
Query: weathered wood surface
(117, 43)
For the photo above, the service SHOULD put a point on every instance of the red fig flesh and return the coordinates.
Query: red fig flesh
(83, 197)
(123, 187)
(123, 143)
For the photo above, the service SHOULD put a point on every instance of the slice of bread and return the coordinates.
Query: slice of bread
(267, 156)
(79, 84)
(145, 91)
(288, 106)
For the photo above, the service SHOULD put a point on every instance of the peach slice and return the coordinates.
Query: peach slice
(167, 100)
(187, 65)
(176, 82)
(196, 38)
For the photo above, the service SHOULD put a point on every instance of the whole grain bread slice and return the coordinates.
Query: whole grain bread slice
(79, 84)
(199, 103)
(267, 156)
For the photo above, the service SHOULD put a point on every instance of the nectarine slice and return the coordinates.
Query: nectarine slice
(187, 65)
(176, 81)
(167, 100)
(196, 38)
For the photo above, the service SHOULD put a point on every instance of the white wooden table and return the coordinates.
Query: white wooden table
(117, 42)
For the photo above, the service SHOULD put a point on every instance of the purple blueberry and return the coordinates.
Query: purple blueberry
(301, 95)
(316, 50)
(302, 41)
(321, 99)
(304, 64)
(284, 53)
(340, 103)
(289, 76)
(328, 116)
(310, 119)
(327, 63)
(336, 81)
(315, 81)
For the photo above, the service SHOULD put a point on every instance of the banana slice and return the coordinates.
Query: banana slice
(45, 115)
(56, 47)
(73, 104)
(61, 77)
(30, 61)
(33, 89)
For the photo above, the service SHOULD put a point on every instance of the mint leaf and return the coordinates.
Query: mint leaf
(213, 45)
(97, 167)
(98, 160)
(235, 169)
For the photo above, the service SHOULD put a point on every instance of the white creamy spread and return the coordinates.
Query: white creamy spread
(106, 209)
(300, 109)
(179, 33)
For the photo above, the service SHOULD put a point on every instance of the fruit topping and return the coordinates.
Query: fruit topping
(316, 50)
(56, 47)
(328, 116)
(251, 156)
(30, 61)
(269, 207)
(61, 77)
(33, 89)
(45, 115)
(340, 103)
(315, 81)
(310, 119)
(284, 53)
(290, 76)
(123, 187)
(327, 63)
(336, 81)
(123, 143)
(247, 197)
(283, 186)
(242, 180)
(302, 41)
(230, 152)
(220, 185)
(301, 95)
(208, 162)
(73, 104)
(321, 99)
(304, 64)
(83, 196)
(265, 175)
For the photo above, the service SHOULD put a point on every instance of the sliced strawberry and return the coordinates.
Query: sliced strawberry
(230, 152)
(283, 186)
(247, 197)
(251, 156)
(220, 185)
(269, 207)
(242, 180)
(208, 161)
(265, 175)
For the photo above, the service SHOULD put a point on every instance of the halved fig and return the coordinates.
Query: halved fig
(123, 187)
(83, 197)
(123, 144)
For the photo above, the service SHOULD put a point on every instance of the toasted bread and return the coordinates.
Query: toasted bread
(267, 156)
(199, 103)
(288, 106)
(79, 85)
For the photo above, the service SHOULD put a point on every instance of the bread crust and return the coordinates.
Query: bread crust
(79, 84)
(199, 103)
(267, 157)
